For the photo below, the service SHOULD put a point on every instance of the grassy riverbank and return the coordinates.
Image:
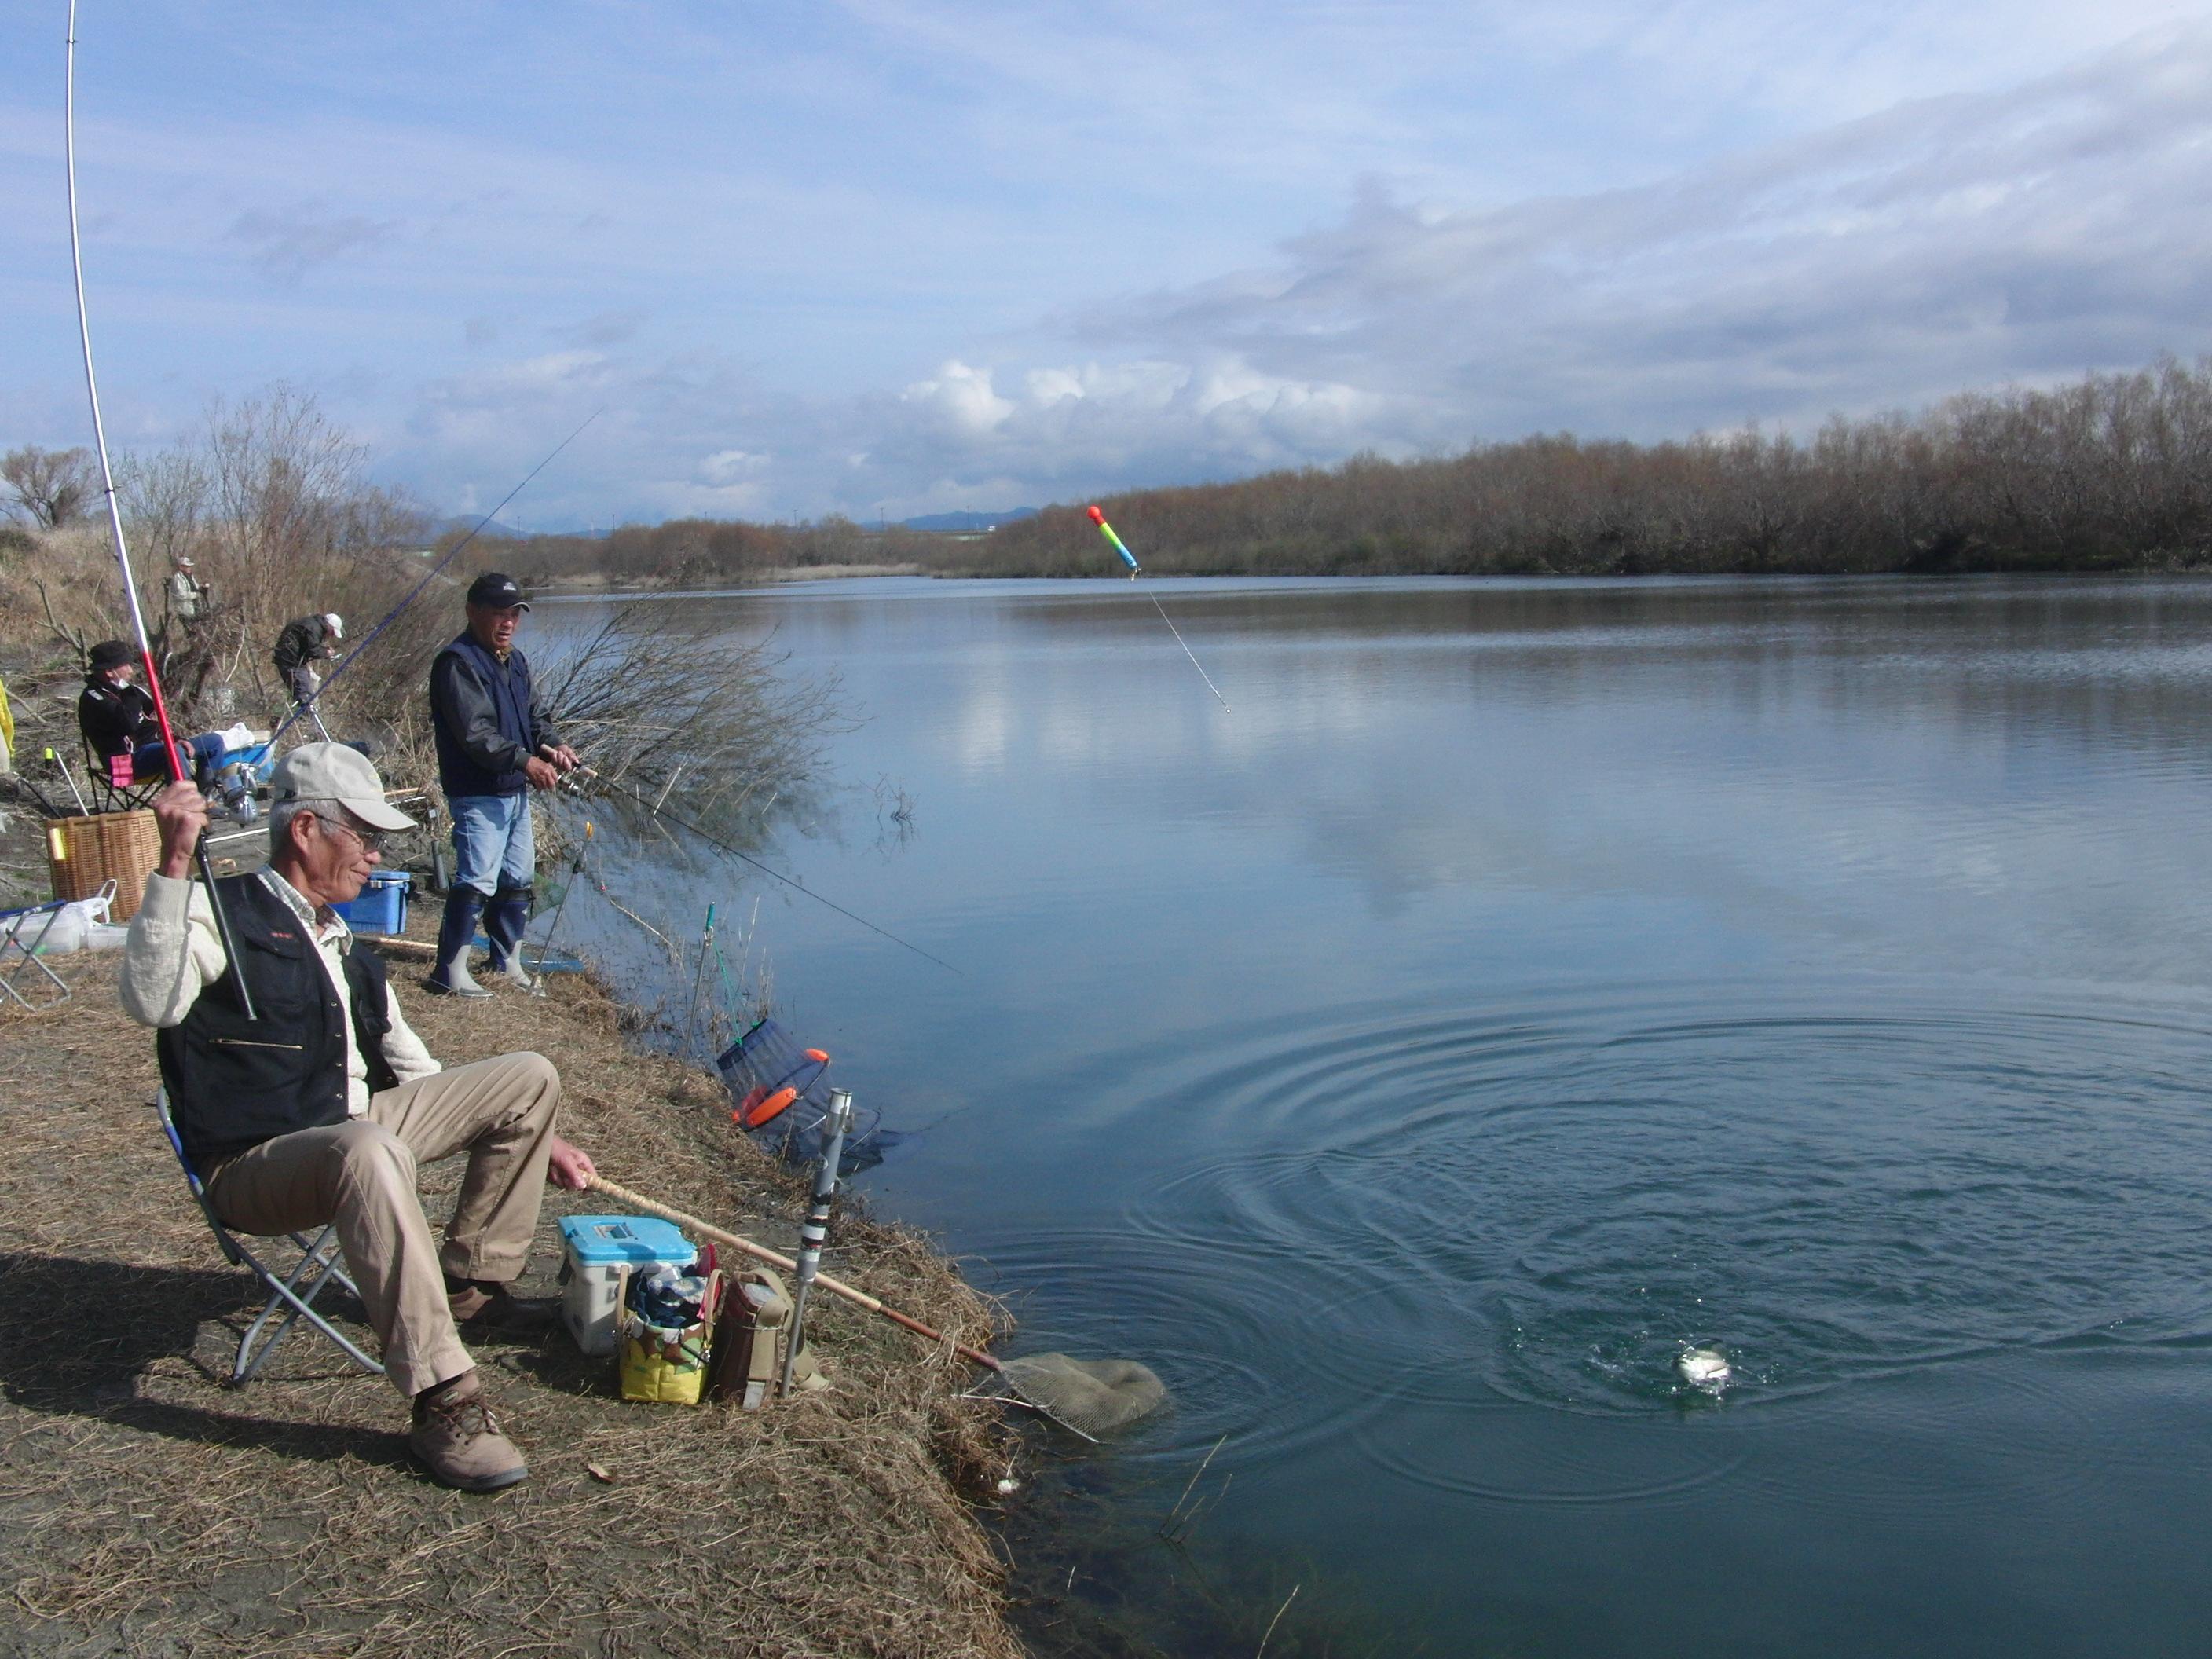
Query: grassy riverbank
(144, 1507)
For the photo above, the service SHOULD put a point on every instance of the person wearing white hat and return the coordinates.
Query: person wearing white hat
(320, 1108)
(189, 597)
(305, 642)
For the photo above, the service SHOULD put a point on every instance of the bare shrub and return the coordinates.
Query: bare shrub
(671, 706)
(52, 488)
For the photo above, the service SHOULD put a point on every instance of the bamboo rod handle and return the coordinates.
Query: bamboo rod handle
(600, 1183)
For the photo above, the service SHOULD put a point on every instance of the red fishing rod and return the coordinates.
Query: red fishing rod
(115, 515)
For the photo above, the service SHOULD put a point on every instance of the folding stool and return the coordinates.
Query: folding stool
(294, 1291)
(22, 932)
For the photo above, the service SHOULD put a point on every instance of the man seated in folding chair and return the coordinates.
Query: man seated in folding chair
(118, 721)
(319, 1108)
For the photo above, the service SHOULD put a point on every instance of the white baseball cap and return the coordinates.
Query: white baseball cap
(336, 627)
(338, 772)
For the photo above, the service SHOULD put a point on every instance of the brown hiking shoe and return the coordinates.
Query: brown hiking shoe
(458, 1441)
(483, 1305)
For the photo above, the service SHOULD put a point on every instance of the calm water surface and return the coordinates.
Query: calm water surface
(1518, 981)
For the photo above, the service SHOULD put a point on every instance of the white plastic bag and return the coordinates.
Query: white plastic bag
(79, 920)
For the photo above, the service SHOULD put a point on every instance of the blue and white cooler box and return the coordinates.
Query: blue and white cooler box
(596, 1248)
(382, 906)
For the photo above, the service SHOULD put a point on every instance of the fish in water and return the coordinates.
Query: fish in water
(1702, 1368)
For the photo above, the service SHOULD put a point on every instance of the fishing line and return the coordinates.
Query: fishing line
(600, 887)
(1099, 517)
(416, 593)
(699, 981)
(115, 519)
(1186, 652)
(716, 841)
(545, 944)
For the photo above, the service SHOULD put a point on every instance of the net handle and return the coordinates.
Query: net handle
(600, 1183)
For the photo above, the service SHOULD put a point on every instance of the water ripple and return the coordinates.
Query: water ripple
(1421, 1217)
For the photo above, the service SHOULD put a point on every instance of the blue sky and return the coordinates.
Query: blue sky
(896, 257)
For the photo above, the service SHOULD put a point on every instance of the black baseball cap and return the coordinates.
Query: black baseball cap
(110, 654)
(497, 591)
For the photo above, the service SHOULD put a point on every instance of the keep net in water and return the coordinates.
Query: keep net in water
(780, 1094)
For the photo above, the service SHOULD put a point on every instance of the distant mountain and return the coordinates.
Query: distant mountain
(967, 520)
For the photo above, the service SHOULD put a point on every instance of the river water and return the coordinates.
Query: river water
(1519, 980)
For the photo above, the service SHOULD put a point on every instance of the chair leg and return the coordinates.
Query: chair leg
(285, 1291)
(13, 944)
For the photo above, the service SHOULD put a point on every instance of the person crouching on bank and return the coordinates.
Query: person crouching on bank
(320, 1108)
(496, 744)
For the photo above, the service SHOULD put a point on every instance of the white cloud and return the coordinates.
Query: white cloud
(959, 400)
(731, 466)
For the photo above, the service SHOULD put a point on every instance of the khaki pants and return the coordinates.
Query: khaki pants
(360, 1174)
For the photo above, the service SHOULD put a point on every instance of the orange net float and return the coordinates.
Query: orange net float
(761, 1106)
(767, 1073)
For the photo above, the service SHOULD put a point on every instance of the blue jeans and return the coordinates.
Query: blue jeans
(493, 846)
(151, 760)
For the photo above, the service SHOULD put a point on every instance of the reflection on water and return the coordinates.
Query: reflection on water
(1520, 981)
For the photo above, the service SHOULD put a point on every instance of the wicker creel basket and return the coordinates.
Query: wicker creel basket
(82, 853)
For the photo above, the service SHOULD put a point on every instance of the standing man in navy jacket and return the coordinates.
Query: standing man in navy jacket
(494, 745)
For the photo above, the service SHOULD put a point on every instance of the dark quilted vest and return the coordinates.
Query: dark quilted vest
(234, 1083)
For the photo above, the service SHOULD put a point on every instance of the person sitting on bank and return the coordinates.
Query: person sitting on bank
(495, 745)
(306, 640)
(320, 1108)
(118, 718)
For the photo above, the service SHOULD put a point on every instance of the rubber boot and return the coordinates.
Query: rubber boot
(505, 918)
(455, 935)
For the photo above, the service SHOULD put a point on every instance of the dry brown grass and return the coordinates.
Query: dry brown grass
(146, 1508)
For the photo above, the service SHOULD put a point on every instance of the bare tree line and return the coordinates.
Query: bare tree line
(703, 551)
(2112, 471)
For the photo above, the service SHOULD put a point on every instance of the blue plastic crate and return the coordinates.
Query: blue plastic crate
(382, 906)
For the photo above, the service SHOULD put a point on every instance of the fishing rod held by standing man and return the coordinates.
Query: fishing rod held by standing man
(307, 710)
(659, 811)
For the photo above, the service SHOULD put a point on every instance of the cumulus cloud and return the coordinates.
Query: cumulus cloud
(959, 401)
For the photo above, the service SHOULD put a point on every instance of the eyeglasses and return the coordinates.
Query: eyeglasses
(372, 841)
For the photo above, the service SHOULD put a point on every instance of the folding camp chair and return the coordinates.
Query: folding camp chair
(294, 1291)
(22, 932)
(115, 786)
